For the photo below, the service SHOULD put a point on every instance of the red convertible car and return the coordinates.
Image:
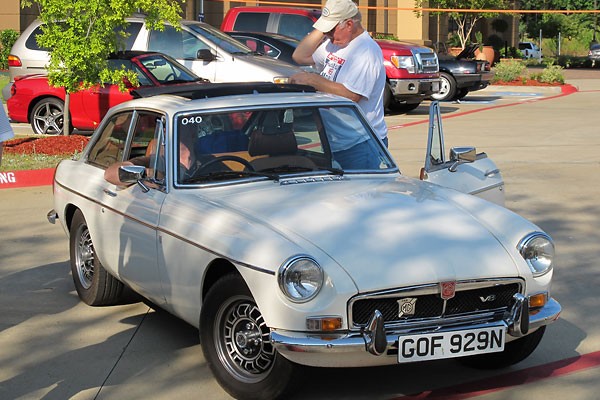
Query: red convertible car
(33, 100)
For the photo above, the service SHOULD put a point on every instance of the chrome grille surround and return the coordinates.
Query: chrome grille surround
(426, 60)
(442, 319)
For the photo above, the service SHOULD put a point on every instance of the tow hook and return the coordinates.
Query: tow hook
(517, 317)
(374, 334)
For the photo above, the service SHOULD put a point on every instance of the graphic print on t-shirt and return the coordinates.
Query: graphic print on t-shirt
(333, 64)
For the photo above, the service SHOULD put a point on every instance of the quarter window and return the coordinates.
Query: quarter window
(251, 22)
(110, 147)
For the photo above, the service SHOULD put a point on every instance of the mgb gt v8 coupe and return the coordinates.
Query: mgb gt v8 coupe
(272, 218)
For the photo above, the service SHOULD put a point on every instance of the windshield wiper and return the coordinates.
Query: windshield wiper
(297, 168)
(221, 175)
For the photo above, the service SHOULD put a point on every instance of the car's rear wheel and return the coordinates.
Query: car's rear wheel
(47, 116)
(447, 88)
(514, 352)
(94, 285)
(236, 344)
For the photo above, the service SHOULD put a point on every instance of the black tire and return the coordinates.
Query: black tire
(447, 88)
(514, 352)
(95, 286)
(47, 116)
(388, 97)
(461, 93)
(236, 345)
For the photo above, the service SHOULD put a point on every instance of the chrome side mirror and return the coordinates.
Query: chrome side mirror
(461, 155)
(133, 174)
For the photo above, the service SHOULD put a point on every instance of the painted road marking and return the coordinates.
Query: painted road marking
(512, 379)
(517, 94)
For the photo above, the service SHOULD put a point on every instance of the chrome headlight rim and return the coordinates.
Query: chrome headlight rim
(284, 270)
(524, 245)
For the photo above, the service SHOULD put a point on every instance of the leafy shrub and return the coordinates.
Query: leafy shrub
(453, 41)
(385, 36)
(551, 74)
(508, 71)
(7, 39)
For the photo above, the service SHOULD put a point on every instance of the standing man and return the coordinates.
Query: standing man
(6, 131)
(350, 61)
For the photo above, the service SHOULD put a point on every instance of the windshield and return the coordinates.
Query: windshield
(166, 70)
(269, 143)
(220, 39)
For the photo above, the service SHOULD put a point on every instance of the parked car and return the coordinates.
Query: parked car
(411, 70)
(33, 100)
(207, 51)
(462, 74)
(530, 50)
(594, 53)
(294, 239)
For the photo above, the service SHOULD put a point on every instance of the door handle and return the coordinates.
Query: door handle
(111, 194)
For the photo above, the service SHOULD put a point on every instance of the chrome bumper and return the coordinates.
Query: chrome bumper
(52, 216)
(414, 87)
(366, 348)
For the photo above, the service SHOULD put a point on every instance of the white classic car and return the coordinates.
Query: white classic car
(272, 218)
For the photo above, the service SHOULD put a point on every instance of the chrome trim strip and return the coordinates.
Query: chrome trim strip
(431, 288)
(233, 261)
(474, 192)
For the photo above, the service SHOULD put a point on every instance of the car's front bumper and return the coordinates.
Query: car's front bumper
(414, 89)
(350, 349)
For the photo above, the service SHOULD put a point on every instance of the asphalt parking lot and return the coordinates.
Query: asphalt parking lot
(547, 146)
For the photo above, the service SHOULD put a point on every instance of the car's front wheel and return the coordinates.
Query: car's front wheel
(514, 352)
(236, 343)
(47, 116)
(94, 285)
(447, 88)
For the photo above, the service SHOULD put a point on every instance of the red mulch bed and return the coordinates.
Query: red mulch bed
(528, 82)
(50, 145)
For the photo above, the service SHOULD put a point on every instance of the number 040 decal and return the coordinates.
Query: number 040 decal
(191, 120)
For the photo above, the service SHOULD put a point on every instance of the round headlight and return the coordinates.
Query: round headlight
(538, 250)
(300, 278)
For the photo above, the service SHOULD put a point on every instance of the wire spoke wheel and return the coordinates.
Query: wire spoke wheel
(84, 257)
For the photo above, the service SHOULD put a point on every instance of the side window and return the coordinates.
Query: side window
(169, 42)
(191, 45)
(251, 22)
(294, 25)
(110, 147)
(131, 30)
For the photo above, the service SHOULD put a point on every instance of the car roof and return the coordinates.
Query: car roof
(226, 95)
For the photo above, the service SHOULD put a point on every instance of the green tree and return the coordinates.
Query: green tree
(81, 34)
(465, 21)
(569, 25)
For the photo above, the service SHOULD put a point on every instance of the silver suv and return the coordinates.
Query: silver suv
(207, 51)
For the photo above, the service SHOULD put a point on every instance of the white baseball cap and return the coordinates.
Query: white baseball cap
(334, 12)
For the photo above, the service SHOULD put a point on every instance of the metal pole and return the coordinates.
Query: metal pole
(559, 43)
(595, 15)
(540, 41)
(385, 17)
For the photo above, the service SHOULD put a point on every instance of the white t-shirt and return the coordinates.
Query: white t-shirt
(359, 67)
(6, 131)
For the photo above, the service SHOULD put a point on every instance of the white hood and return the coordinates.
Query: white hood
(382, 232)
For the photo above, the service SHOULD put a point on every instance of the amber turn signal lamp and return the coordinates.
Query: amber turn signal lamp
(323, 324)
(538, 300)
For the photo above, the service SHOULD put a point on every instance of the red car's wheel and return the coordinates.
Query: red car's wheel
(47, 116)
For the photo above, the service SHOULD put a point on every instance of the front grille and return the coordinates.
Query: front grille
(427, 61)
(432, 305)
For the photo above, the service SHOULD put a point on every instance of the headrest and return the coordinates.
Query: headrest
(275, 137)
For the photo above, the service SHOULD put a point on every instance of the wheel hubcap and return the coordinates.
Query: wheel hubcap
(48, 119)
(242, 340)
(84, 257)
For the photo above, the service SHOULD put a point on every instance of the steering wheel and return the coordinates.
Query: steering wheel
(227, 158)
(169, 77)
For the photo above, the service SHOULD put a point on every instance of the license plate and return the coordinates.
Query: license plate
(433, 346)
